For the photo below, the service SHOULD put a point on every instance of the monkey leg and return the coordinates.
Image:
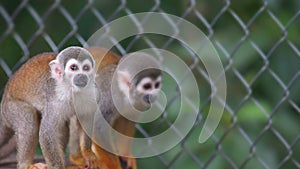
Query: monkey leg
(125, 127)
(75, 155)
(65, 134)
(77, 159)
(87, 153)
(90, 159)
(7, 142)
(5, 134)
(25, 123)
(8, 148)
(105, 159)
(5, 131)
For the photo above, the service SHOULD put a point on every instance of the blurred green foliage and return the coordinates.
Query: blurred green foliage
(254, 39)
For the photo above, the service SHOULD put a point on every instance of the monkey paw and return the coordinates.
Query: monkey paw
(38, 166)
(91, 161)
(77, 160)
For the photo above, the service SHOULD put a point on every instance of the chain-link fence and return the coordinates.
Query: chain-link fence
(258, 43)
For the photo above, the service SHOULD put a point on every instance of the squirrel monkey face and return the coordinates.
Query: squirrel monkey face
(143, 89)
(148, 88)
(79, 73)
(77, 69)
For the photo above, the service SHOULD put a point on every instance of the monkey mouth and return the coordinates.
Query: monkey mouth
(81, 84)
(149, 98)
(81, 80)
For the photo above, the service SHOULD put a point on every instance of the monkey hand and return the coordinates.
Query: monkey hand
(90, 160)
(106, 160)
(77, 160)
(128, 163)
(38, 166)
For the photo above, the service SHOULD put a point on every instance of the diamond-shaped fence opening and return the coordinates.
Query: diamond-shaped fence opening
(258, 44)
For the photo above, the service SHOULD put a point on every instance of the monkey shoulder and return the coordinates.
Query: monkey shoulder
(105, 75)
(26, 81)
(103, 57)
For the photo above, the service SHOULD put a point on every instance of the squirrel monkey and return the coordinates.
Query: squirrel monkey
(135, 90)
(38, 103)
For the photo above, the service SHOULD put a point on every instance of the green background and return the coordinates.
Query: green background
(258, 43)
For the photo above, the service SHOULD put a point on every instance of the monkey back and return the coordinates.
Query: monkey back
(35, 72)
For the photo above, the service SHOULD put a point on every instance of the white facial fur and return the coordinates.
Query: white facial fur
(149, 86)
(72, 69)
(143, 93)
(81, 67)
(124, 82)
(75, 68)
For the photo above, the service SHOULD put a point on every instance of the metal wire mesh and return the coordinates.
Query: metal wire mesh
(258, 42)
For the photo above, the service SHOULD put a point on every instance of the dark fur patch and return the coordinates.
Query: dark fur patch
(75, 53)
(151, 73)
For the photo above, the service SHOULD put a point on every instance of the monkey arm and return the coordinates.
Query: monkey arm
(75, 155)
(111, 161)
(127, 128)
(86, 149)
(80, 145)
(50, 140)
(106, 159)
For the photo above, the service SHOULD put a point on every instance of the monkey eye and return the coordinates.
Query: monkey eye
(74, 67)
(147, 86)
(86, 68)
(157, 85)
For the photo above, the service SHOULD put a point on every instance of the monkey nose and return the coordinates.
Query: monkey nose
(149, 98)
(80, 80)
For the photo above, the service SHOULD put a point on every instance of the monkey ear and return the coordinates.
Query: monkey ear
(56, 69)
(124, 81)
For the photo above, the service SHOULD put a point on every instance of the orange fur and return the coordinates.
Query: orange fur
(21, 81)
(104, 159)
(107, 160)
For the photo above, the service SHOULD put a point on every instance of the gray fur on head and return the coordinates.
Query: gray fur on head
(139, 65)
(75, 52)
